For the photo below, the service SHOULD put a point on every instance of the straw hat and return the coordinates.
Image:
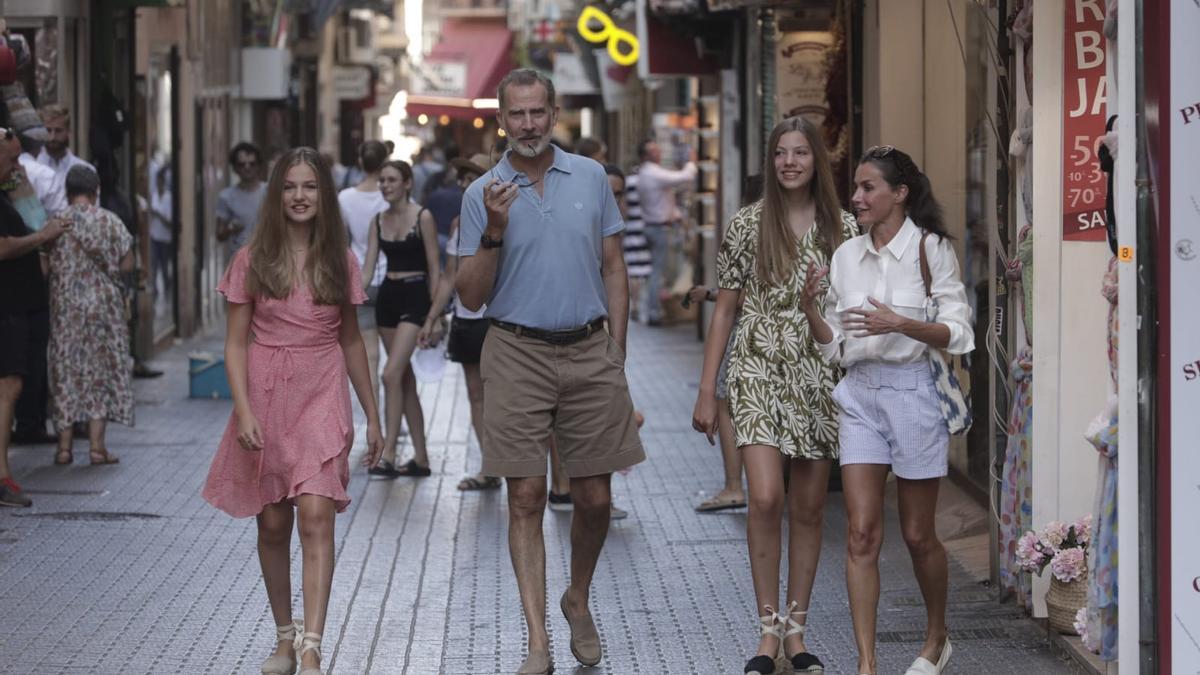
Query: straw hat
(477, 164)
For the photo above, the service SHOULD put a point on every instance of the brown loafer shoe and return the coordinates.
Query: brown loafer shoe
(537, 663)
(585, 639)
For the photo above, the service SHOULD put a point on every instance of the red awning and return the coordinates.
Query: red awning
(484, 49)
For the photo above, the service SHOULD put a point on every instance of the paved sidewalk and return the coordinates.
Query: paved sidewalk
(124, 569)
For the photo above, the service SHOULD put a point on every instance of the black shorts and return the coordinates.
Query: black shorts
(466, 339)
(16, 344)
(402, 301)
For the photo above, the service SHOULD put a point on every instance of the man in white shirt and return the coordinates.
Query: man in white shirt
(41, 177)
(359, 204)
(656, 187)
(57, 154)
(237, 205)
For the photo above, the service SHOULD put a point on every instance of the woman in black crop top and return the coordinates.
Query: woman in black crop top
(407, 236)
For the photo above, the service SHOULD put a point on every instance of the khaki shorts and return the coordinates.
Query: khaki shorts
(577, 393)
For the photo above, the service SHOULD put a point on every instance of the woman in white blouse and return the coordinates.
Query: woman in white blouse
(874, 325)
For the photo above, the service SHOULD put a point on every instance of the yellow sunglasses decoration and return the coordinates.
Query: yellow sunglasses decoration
(610, 33)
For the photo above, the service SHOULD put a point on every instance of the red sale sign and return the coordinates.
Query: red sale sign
(1084, 111)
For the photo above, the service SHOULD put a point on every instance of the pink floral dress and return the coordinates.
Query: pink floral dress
(90, 365)
(299, 393)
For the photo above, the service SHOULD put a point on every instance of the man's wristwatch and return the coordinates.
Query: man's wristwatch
(487, 242)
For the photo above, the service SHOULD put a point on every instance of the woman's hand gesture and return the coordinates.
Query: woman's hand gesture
(812, 288)
(374, 445)
(879, 321)
(250, 435)
(704, 417)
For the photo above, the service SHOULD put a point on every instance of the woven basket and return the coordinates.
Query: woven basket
(1063, 601)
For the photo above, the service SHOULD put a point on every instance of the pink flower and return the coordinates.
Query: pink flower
(1054, 534)
(1069, 564)
(1081, 626)
(1083, 530)
(1028, 556)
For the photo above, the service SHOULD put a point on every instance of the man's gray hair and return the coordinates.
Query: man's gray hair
(525, 76)
(82, 180)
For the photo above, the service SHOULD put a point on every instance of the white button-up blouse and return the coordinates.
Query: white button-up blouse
(892, 276)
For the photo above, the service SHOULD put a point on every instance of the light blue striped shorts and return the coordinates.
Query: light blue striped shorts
(890, 415)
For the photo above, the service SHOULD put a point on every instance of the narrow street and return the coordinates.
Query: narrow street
(125, 569)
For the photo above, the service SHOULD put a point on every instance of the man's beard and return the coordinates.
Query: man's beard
(525, 151)
(56, 148)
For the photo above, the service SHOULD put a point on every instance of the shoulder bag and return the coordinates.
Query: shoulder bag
(951, 399)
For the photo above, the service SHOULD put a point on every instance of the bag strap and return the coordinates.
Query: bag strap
(926, 275)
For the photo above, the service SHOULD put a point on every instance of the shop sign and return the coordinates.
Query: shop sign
(570, 75)
(1084, 111)
(440, 78)
(616, 82)
(801, 74)
(351, 83)
(1184, 264)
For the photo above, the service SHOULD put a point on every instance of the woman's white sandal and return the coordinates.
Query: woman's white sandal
(769, 625)
(283, 665)
(306, 643)
(802, 662)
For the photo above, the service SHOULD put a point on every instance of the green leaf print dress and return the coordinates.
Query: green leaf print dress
(779, 385)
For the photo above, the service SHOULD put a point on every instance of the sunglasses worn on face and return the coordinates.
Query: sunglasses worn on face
(246, 165)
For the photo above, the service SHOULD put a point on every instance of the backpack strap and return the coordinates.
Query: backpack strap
(926, 275)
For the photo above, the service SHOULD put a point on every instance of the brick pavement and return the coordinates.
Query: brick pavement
(124, 569)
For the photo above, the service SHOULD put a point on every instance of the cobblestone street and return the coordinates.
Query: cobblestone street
(125, 569)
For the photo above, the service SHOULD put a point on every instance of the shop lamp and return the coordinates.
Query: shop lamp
(422, 119)
(478, 123)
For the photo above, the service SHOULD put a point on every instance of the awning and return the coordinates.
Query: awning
(460, 75)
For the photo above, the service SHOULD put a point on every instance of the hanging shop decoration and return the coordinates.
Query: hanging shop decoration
(597, 27)
(1084, 114)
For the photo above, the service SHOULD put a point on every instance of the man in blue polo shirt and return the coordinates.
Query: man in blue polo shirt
(540, 245)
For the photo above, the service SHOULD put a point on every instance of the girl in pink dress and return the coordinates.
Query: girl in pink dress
(292, 339)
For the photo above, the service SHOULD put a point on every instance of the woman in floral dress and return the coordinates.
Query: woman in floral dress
(779, 386)
(90, 366)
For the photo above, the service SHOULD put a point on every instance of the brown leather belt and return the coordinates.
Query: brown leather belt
(555, 337)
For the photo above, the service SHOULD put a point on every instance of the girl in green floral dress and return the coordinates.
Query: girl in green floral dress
(779, 385)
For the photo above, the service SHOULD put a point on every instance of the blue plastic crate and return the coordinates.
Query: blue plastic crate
(206, 376)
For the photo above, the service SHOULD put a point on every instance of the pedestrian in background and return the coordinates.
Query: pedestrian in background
(468, 328)
(656, 186)
(56, 152)
(540, 245)
(359, 204)
(779, 385)
(732, 495)
(162, 236)
(592, 148)
(406, 235)
(23, 297)
(238, 205)
(90, 366)
(874, 324)
(291, 341)
(638, 258)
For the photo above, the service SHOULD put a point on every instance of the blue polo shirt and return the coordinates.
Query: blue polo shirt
(548, 275)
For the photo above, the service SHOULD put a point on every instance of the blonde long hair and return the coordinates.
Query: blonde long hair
(273, 272)
(777, 243)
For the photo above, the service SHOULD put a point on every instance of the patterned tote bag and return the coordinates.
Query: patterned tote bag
(950, 395)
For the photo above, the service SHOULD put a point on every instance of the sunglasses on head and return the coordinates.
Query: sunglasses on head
(880, 151)
(8, 134)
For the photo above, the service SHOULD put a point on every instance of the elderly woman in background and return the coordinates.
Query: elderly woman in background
(90, 367)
